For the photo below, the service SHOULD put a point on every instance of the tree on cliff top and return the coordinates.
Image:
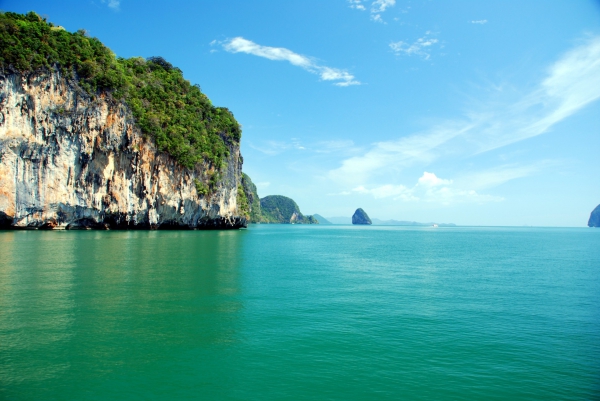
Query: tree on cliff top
(167, 108)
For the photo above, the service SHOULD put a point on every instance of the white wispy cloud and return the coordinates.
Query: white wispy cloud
(571, 83)
(338, 76)
(398, 192)
(377, 18)
(479, 21)
(431, 180)
(273, 148)
(429, 188)
(114, 4)
(420, 47)
(334, 146)
(377, 7)
(357, 4)
(448, 195)
(499, 175)
(395, 155)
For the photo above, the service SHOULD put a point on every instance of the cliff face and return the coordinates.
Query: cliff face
(70, 161)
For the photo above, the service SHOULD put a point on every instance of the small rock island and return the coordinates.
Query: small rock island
(594, 220)
(361, 217)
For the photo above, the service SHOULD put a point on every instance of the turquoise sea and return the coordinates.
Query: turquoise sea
(282, 312)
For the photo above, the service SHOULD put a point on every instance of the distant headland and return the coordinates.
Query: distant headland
(379, 222)
(272, 209)
(594, 220)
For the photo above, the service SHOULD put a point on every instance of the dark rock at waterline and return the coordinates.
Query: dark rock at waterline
(361, 217)
(5, 220)
(594, 220)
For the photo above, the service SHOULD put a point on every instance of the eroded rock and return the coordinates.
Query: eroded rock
(70, 161)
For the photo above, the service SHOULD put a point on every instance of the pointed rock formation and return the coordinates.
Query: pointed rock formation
(361, 217)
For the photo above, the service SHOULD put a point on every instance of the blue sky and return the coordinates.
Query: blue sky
(471, 112)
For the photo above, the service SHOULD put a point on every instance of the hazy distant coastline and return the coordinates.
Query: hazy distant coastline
(379, 222)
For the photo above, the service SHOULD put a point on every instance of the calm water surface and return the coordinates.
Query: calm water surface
(301, 313)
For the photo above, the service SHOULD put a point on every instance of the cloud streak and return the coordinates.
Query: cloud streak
(429, 188)
(114, 4)
(338, 76)
(357, 5)
(420, 47)
(499, 175)
(398, 154)
(571, 83)
(377, 7)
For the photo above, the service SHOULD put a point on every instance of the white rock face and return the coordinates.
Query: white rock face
(67, 161)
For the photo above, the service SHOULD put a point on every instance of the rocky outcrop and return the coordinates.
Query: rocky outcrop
(360, 217)
(594, 220)
(68, 160)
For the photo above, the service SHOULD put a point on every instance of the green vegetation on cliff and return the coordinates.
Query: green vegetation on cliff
(281, 209)
(274, 209)
(242, 203)
(249, 189)
(176, 114)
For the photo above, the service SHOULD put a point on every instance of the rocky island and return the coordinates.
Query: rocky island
(594, 220)
(281, 209)
(89, 140)
(361, 217)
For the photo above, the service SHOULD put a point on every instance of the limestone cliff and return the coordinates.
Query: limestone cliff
(361, 217)
(69, 160)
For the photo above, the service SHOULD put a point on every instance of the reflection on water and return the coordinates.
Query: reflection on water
(112, 302)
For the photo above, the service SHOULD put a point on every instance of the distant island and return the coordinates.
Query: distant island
(272, 209)
(281, 209)
(594, 220)
(361, 217)
(322, 220)
(379, 222)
